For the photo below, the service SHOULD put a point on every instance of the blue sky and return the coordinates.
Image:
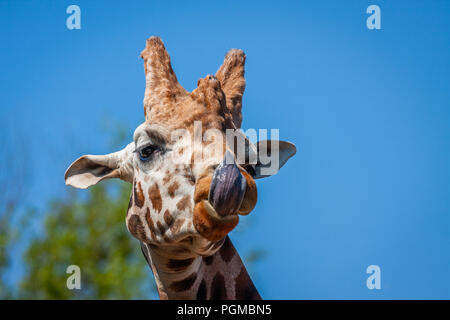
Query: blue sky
(368, 111)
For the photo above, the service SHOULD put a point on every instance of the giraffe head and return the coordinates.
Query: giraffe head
(191, 169)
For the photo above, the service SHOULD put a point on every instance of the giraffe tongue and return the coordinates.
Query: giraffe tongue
(227, 188)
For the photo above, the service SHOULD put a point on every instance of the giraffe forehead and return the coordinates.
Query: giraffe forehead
(161, 134)
(153, 132)
(206, 103)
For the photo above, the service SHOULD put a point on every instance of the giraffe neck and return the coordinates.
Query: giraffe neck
(221, 276)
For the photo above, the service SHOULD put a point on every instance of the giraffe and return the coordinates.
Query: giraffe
(182, 211)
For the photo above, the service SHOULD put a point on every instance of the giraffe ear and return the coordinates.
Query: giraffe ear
(272, 155)
(88, 170)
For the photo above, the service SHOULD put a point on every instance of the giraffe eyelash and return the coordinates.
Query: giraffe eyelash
(138, 149)
(147, 151)
(155, 149)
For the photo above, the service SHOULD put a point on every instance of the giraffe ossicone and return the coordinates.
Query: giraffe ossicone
(193, 174)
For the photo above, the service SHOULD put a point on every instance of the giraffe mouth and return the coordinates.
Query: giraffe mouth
(228, 187)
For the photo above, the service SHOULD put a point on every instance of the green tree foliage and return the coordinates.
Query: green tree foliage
(90, 233)
(6, 241)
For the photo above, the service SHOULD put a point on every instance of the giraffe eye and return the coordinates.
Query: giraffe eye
(146, 152)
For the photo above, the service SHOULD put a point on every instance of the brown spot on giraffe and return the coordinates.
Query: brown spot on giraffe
(136, 227)
(161, 228)
(138, 195)
(244, 287)
(209, 141)
(176, 226)
(167, 177)
(179, 265)
(218, 290)
(201, 291)
(192, 162)
(185, 203)
(168, 219)
(172, 188)
(227, 251)
(155, 197)
(208, 260)
(150, 224)
(184, 284)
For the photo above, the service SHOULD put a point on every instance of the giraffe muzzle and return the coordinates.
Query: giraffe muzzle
(227, 188)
